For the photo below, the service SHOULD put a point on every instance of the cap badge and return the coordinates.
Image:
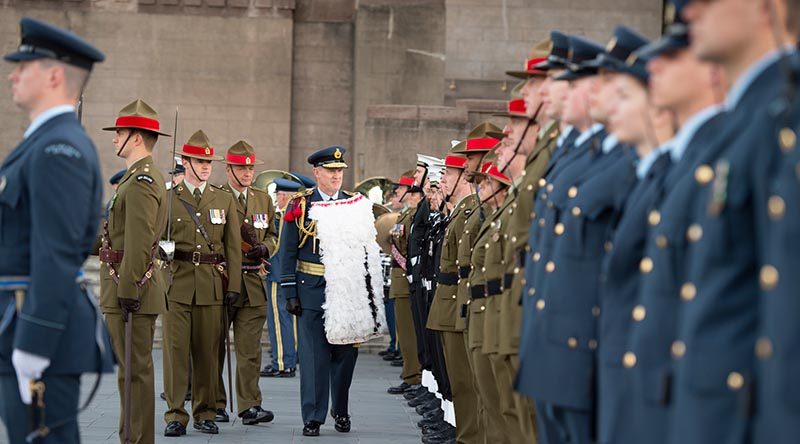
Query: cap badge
(611, 45)
(337, 154)
(208, 151)
(247, 160)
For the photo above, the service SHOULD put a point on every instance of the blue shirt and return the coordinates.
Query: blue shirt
(326, 198)
(596, 128)
(750, 74)
(561, 138)
(646, 162)
(609, 143)
(45, 116)
(679, 143)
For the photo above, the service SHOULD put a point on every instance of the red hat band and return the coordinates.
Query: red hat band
(530, 65)
(198, 150)
(482, 143)
(491, 170)
(455, 162)
(138, 122)
(406, 181)
(241, 160)
(517, 106)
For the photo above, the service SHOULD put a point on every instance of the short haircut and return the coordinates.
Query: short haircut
(148, 137)
(75, 78)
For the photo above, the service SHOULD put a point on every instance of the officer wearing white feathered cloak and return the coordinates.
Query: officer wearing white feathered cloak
(328, 236)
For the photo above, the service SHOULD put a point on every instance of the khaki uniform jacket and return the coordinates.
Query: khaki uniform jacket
(400, 288)
(495, 268)
(444, 308)
(516, 231)
(477, 282)
(136, 219)
(260, 209)
(203, 283)
(466, 244)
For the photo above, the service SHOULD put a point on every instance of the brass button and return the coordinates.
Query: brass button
(694, 233)
(572, 192)
(688, 291)
(788, 139)
(542, 182)
(769, 277)
(572, 343)
(735, 381)
(703, 174)
(595, 311)
(529, 187)
(654, 218)
(559, 229)
(646, 265)
(540, 304)
(516, 270)
(764, 348)
(537, 256)
(486, 245)
(776, 206)
(592, 344)
(550, 188)
(639, 312)
(550, 267)
(541, 223)
(533, 215)
(483, 269)
(454, 296)
(483, 308)
(661, 241)
(576, 211)
(629, 360)
(678, 349)
(513, 239)
(608, 246)
(531, 291)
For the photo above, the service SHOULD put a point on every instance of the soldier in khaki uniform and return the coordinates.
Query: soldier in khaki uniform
(137, 215)
(444, 308)
(247, 313)
(399, 290)
(205, 227)
(493, 189)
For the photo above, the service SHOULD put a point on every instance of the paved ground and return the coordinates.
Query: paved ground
(378, 418)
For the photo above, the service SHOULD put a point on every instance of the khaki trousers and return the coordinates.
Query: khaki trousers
(407, 337)
(462, 383)
(248, 323)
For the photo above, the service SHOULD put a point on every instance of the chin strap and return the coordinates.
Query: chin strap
(119, 151)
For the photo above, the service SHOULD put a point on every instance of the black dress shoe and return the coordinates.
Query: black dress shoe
(421, 400)
(288, 373)
(342, 422)
(206, 426)
(431, 405)
(436, 429)
(269, 372)
(428, 422)
(439, 438)
(385, 352)
(256, 415)
(434, 414)
(311, 429)
(175, 428)
(222, 416)
(416, 393)
(399, 389)
(396, 363)
(391, 356)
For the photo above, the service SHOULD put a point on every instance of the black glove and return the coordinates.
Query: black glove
(257, 252)
(293, 306)
(129, 306)
(248, 233)
(231, 297)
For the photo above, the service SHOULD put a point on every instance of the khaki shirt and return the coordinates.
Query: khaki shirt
(466, 244)
(494, 264)
(444, 308)
(202, 284)
(400, 287)
(136, 219)
(516, 231)
(260, 213)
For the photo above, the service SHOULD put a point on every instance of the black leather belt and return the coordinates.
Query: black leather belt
(508, 279)
(463, 272)
(494, 287)
(197, 257)
(521, 258)
(477, 292)
(448, 278)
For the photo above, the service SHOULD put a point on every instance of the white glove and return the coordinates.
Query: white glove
(29, 367)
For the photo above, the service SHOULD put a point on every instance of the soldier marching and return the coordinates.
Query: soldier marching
(614, 265)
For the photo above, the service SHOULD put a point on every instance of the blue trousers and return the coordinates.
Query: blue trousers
(325, 370)
(390, 324)
(61, 401)
(282, 329)
(559, 425)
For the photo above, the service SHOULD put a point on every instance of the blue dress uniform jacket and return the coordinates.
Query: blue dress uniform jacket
(620, 284)
(778, 347)
(650, 339)
(717, 329)
(280, 324)
(50, 207)
(327, 369)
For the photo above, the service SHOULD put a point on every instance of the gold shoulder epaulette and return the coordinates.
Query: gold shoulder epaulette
(219, 187)
(348, 193)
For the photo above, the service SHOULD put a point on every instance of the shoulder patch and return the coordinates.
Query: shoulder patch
(62, 149)
(144, 178)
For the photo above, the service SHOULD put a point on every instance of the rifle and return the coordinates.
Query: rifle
(167, 247)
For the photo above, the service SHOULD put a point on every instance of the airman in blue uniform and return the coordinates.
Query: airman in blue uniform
(327, 369)
(51, 330)
(715, 371)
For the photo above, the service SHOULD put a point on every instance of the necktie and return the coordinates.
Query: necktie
(242, 201)
(197, 195)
